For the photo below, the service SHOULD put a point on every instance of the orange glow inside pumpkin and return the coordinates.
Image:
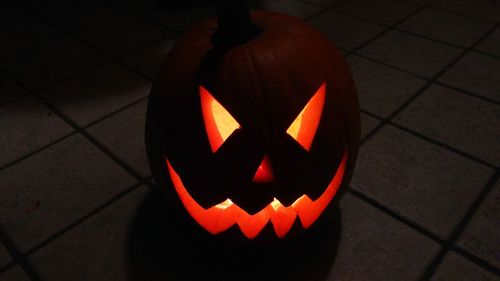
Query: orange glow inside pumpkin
(264, 173)
(222, 216)
(219, 123)
(304, 127)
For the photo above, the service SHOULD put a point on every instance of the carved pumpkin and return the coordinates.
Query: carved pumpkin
(255, 126)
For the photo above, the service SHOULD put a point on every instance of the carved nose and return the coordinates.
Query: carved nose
(264, 173)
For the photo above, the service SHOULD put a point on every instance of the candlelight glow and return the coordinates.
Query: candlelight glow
(303, 128)
(224, 215)
(219, 123)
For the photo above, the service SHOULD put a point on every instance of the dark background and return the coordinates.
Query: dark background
(424, 203)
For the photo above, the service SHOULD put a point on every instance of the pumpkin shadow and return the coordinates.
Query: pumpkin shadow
(159, 249)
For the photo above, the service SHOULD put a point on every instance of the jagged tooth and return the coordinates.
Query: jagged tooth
(252, 225)
(223, 216)
(209, 220)
(301, 207)
(282, 218)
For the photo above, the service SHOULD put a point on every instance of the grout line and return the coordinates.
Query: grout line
(437, 260)
(79, 73)
(69, 121)
(415, 34)
(37, 150)
(84, 218)
(486, 99)
(433, 79)
(315, 4)
(324, 10)
(431, 140)
(388, 29)
(420, 8)
(8, 266)
(487, 54)
(77, 129)
(449, 12)
(16, 256)
(20, 259)
(70, 134)
(475, 259)
(427, 79)
(444, 243)
(394, 215)
(443, 145)
(24, 95)
(389, 65)
(431, 269)
(115, 112)
(463, 15)
(142, 15)
(396, 28)
(447, 43)
(107, 58)
(90, 138)
(430, 235)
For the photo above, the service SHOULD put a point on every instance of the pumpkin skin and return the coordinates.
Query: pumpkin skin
(260, 175)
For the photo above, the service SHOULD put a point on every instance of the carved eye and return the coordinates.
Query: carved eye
(218, 121)
(303, 128)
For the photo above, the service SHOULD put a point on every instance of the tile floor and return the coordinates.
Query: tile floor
(424, 200)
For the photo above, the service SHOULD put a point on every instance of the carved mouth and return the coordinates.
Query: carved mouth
(222, 216)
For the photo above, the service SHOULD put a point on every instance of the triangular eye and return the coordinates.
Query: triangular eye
(218, 122)
(303, 128)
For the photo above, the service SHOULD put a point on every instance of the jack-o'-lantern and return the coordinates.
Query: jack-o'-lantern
(253, 121)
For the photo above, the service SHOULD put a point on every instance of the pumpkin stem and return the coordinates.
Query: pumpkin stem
(234, 25)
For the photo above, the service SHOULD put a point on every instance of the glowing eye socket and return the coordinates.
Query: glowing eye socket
(303, 128)
(218, 122)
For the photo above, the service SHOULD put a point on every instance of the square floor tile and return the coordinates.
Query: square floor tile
(125, 36)
(412, 53)
(459, 120)
(4, 256)
(386, 12)
(92, 95)
(419, 180)
(374, 246)
(368, 124)
(457, 268)
(323, 3)
(443, 26)
(14, 274)
(25, 36)
(476, 73)
(95, 249)
(9, 89)
(45, 66)
(484, 9)
(345, 31)
(296, 8)
(123, 134)
(481, 233)
(491, 44)
(27, 125)
(54, 188)
(181, 19)
(382, 89)
(149, 60)
(82, 16)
